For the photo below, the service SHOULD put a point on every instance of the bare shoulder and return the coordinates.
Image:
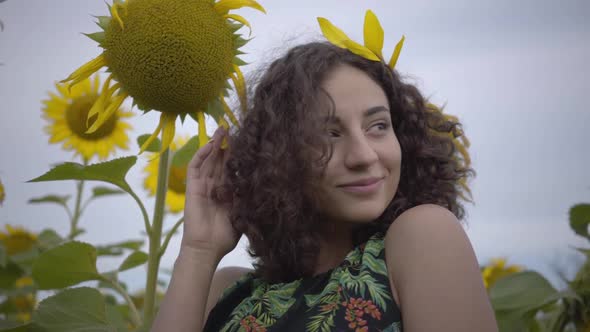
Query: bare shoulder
(222, 279)
(433, 266)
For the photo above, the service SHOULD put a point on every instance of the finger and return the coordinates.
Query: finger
(201, 155)
(208, 166)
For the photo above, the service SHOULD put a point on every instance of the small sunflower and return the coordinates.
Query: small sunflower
(176, 179)
(172, 56)
(497, 270)
(67, 111)
(17, 240)
(25, 303)
(2, 193)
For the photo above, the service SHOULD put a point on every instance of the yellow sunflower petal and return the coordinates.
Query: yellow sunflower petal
(228, 111)
(153, 136)
(340, 39)
(224, 6)
(225, 125)
(332, 33)
(240, 85)
(168, 130)
(396, 52)
(373, 33)
(202, 129)
(86, 70)
(108, 112)
(240, 19)
(359, 49)
(115, 13)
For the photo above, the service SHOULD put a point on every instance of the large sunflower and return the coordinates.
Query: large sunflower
(176, 179)
(67, 112)
(172, 56)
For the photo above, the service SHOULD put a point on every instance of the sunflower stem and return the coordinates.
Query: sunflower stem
(77, 211)
(146, 219)
(135, 317)
(169, 236)
(155, 240)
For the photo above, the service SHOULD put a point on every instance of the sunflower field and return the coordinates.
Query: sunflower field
(180, 59)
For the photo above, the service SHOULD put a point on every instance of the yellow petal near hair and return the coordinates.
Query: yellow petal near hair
(396, 52)
(373, 33)
(85, 70)
(340, 39)
(240, 84)
(332, 33)
(224, 6)
(202, 129)
(359, 49)
(240, 19)
(228, 112)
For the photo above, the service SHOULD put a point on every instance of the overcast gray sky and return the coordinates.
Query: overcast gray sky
(515, 72)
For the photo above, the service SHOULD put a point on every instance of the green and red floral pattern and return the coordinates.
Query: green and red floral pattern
(355, 296)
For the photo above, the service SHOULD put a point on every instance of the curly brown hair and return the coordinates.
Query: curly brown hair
(271, 173)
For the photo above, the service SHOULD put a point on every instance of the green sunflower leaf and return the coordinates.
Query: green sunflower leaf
(76, 262)
(112, 171)
(57, 199)
(117, 249)
(184, 155)
(9, 274)
(48, 239)
(155, 146)
(136, 258)
(579, 219)
(522, 291)
(77, 309)
(105, 191)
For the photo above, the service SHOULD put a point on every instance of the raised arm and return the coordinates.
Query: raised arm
(207, 237)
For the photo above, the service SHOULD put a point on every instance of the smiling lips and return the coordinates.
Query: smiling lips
(365, 186)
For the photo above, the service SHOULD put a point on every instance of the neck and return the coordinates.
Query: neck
(335, 244)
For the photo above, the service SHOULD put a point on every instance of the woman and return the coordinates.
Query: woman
(347, 184)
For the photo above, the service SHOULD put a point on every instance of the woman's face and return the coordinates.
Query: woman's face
(365, 149)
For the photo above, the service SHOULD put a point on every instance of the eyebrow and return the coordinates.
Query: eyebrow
(366, 114)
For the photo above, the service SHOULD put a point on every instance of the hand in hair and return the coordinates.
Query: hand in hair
(207, 228)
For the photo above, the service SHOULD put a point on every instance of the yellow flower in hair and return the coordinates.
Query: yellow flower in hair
(172, 56)
(373, 39)
(67, 114)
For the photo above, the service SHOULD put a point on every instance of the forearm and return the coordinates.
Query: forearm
(183, 306)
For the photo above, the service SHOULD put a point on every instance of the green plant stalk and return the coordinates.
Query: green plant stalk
(77, 211)
(169, 236)
(155, 240)
(135, 317)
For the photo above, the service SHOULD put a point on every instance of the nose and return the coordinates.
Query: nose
(359, 152)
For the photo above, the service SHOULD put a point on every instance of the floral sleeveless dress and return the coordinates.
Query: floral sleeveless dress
(354, 296)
